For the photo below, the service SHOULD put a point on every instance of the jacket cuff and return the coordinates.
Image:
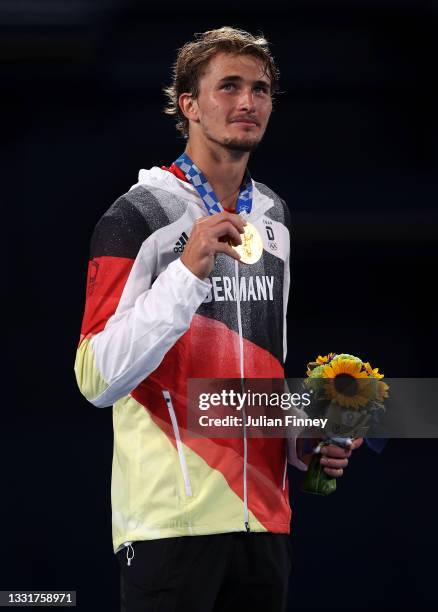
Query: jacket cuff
(199, 288)
(292, 455)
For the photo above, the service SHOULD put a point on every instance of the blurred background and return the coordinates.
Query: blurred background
(351, 147)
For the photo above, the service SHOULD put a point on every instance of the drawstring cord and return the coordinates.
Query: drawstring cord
(127, 554)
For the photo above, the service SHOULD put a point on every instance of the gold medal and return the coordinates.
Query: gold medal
(251, 248)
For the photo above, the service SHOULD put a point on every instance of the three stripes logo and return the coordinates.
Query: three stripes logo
(181, 243)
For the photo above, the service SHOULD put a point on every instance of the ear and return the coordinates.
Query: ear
(189, 106)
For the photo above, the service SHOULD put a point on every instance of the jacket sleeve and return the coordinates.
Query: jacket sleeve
(131, 318)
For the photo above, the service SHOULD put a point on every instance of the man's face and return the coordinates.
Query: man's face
(234, 101)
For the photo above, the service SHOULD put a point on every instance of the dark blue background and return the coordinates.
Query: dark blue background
(351, 147)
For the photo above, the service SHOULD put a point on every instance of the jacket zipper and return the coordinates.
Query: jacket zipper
(128, 558)
(179, 446)
(242, 370)
(129, 548)
(285, 473)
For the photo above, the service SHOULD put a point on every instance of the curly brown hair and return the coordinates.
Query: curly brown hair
(194, 56)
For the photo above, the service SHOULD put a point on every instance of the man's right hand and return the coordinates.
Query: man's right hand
(209, 236)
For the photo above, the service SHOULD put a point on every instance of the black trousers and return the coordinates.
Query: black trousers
(230, 572)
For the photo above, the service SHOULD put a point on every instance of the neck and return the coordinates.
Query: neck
(223, 168)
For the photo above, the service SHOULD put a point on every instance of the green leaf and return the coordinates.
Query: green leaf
(316, 480)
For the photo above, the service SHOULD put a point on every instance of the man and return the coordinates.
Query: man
(198, 524)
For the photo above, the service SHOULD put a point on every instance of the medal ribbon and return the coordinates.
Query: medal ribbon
(196, 177)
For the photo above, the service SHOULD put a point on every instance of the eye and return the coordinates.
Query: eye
(228, 86)
(261, 89)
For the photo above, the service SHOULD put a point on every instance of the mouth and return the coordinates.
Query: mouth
(245, 121)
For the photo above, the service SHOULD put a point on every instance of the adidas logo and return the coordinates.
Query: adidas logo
(181, 243)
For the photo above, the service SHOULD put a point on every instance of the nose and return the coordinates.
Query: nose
(246, 100)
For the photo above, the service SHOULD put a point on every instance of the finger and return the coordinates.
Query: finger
(331, 450)
(226, 229)
(334, 463)
(224, 247)
(357, 442)
(235, 219)
(213, 220)
(333, 473)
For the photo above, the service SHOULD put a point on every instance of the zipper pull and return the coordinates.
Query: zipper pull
(247, 527)
(127, 554)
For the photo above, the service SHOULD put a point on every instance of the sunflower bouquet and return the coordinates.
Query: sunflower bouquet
(349, 393)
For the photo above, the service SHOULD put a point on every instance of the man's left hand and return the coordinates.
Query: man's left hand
(335, 459)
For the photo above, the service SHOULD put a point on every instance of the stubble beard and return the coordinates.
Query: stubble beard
(236, 145)
(239, 145)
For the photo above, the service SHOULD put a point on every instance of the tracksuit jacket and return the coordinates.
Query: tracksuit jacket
(150, 325)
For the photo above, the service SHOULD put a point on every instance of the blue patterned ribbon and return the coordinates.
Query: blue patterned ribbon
(196, 177)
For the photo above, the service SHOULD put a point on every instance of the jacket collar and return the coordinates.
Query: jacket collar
(163, 179)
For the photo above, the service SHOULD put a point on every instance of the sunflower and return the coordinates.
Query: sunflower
(374, 373)
(382, 391)
(348, 384)
(325, 359)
